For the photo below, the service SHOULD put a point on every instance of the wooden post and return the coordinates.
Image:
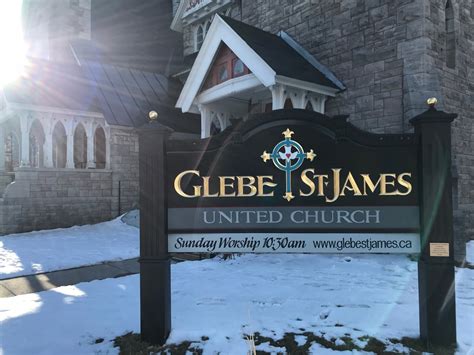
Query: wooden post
(155, 277)
(436, 264)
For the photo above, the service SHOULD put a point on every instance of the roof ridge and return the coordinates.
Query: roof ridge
(310, 59)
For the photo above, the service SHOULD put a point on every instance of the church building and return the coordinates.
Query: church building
(70, 143)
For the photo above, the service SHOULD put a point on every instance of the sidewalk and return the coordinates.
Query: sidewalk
(45, 281)
(48, 280)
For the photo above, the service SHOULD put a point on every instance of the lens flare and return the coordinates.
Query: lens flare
(12, 55)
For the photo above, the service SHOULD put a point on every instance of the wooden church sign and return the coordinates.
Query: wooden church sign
(295, 181)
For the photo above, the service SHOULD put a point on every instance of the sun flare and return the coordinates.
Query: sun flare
(12, 56)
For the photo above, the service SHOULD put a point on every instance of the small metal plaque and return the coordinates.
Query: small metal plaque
(439, 249)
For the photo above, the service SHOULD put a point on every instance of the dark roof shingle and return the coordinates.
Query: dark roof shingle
(124, 96)
(278, 54)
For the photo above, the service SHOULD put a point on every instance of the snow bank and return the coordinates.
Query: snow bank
(36, 252)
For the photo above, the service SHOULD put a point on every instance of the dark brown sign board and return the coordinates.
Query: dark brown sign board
(298, 181)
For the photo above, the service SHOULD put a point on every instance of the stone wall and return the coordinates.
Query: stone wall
(391, 57)
(52, 198)
(5, 180)
(124, 164)
(49, 25)
(456, 88)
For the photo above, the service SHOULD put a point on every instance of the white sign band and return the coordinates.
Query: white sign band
(294, 243)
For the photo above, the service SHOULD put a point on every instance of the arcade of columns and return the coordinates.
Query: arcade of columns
(53, 141)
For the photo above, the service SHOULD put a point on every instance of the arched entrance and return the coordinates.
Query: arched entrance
(80, 147)
(59, 146)
(99, 148)
(36, 145)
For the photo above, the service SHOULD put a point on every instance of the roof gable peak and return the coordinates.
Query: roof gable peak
(270, 58)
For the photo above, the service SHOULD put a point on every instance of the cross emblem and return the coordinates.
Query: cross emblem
(288, 155)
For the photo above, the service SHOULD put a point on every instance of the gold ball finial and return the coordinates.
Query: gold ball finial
(153, 115)
(432, 101)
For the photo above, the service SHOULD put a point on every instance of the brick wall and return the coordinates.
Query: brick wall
(52, 198)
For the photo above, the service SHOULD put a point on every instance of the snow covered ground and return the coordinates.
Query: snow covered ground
(336, 295)
(35, 252)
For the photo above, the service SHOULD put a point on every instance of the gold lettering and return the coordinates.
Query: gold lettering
(261, 183)
(384, 183)
(178, 188)
(308, 182)
(223, 185)
(241, 185)
(368, 183)
(321, 184)
(353, 186)
(336, 187)
(405, 184)
(205, 184)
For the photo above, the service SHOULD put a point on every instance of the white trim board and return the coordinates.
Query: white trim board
(227, 88)
(221, 32)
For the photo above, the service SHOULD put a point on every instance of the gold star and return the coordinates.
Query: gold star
(265, 156)
(288, 133)
(288, 196)
(310, 155)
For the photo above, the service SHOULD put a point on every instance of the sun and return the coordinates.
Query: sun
(12, 53)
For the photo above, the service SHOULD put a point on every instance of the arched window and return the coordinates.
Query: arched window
(59, 146)
(36, 145)
(99, 148)
(450, 36)
(80, 147)
(12, 151)
(238, 68)
(199, 36)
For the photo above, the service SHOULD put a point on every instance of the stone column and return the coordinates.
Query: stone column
(2, 149)
(48, 144)
(90, 146)
(70, 145)
(108, 137)
(70, 151)
(25, 142)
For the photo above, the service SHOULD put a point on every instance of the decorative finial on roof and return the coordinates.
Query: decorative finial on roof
(153, 115)
(432, 101)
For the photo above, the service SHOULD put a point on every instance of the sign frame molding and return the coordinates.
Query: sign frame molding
(432, 138)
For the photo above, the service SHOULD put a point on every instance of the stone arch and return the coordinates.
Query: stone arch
(80, 147)
(12, 151)
(37, 138)
(100, 148)
(59, 146)
(450, 35)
